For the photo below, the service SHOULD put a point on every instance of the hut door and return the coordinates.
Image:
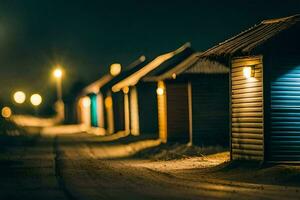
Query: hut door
(94, 112)
(177, 112)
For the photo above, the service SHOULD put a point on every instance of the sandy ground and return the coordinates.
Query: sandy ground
(83, 166)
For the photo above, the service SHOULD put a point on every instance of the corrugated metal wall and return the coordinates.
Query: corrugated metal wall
(284, 138)
(147, 108)
(247, 139)
(210, 103)
(177, 112)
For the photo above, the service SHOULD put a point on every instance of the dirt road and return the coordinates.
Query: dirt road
(78, 166)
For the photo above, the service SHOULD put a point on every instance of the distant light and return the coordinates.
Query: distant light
(57, 73)
(125, 90)
(19, 97)
(36, 99)
(6, 112)
(248, 72)
(174, 76)
(108, 102)
(86, 102)
(115, 69)
(160, 91)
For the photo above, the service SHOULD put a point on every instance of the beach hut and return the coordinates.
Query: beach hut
(90, 103)
(193, 101)
(143, 104)
(264, 90)
(116, 103)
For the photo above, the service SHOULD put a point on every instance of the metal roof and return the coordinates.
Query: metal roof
(248, 40)
(175, 70)
(157, 62)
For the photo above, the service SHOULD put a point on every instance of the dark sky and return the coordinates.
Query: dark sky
(87, 36)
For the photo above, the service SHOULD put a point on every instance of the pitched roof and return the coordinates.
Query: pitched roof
(176, 69)
(248, 40)
(130, 69)
(95, 86)
(154, 64)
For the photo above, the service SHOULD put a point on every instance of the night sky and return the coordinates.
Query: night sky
(85, 37)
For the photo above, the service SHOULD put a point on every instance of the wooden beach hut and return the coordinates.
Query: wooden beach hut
(264, 90)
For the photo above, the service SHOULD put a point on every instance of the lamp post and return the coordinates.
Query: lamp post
(59, 105)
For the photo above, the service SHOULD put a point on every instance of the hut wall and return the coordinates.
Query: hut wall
(100, 110)
(118, 110)
(134, 111)
(162, 111)
(210, 108)
(177, 112)
(247, 116)
(283, 141)
(109, 113)
(147, 109)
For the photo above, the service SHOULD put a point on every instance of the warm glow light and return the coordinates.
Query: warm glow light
(108, 102)
(126, 90)
(248, 72)
(174, 76)
(86, 102)
(57, 73)
(36, 99)
(19, 97)
(115, 69)
(160, 91)
(6, 112)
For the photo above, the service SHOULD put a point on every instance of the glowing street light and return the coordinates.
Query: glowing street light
(19, 97)
(57, 73)
(6, 112)
(59, 105)
(36, 99)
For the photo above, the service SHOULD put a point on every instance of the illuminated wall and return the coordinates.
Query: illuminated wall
(84, 110)
(284, 138)
(247, 127)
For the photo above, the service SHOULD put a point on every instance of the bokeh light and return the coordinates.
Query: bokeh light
(57, 73)
(36, 99)
(115, 69)
(6, 112)
(86, 102)
(19, 97)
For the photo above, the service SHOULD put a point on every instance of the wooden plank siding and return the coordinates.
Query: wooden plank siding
(210, 102)
(177, 112)
(247, 127)
(284, 138)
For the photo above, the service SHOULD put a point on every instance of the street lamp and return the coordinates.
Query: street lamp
(57, 73)
(36, 99)
(19, 97)
(59, 105)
